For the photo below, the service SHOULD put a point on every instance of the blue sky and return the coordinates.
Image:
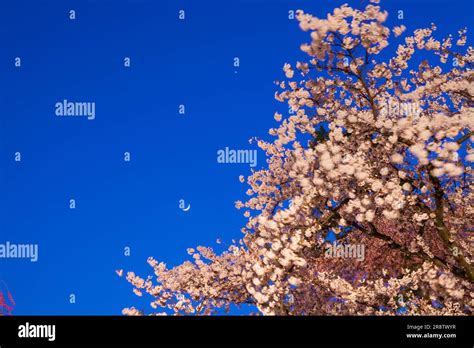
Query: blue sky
(135, 204)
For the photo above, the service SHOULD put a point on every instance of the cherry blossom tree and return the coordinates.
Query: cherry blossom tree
(7, 303)
(373, 154)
